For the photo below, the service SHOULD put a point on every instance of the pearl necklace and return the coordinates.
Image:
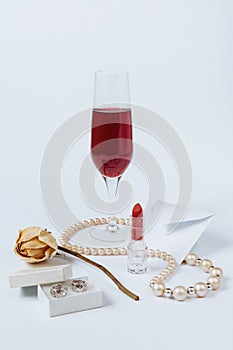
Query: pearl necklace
(199, 290)
(70, 231)
(179, 293)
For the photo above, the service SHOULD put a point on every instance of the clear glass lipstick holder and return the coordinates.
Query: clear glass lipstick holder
(137, 248)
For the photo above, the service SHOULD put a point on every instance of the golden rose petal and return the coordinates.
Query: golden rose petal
(19, 236)
(43, 258)
(34, 260)
(18, 252)
(54, 252)
(49, 252)
(29, 233)
(34, 243)
(47, 238)
(37, 253)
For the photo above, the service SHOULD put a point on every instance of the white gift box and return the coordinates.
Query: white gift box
(50, 271)
(74, 301)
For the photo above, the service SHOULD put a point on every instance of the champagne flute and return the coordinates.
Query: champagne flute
(111, 139)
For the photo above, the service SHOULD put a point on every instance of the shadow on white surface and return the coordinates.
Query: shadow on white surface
(28, 292)
(106, 301)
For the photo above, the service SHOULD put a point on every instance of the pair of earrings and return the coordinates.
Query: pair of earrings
(59, 290)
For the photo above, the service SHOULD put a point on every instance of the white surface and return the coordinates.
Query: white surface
(72, 302)
(179, 55)
(53, 270)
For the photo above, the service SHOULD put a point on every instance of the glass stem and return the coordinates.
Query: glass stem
(112, 187)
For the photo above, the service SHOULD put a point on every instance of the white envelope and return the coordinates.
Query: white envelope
(174, 237)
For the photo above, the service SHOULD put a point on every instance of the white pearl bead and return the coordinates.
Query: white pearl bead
(157, 253)
(180, 293)
(75, 248)
(172, 261)
(173, 266)
(151, 252)
(200, 289)
(170, 270)
(160, 277)
(87, 251)
(103, 221)
(123, 251)
(214, 281)
(94, 251)
(92, 222)
(205, 265)
(152, 282)
(156, 279)
(191, 259)
(75, 227)
(80, 250)
(115, 251)
(108, 251)
(216, 271)
(127, 222)
(158, 289)
(101, 251)
(164, 275)
(164, 255)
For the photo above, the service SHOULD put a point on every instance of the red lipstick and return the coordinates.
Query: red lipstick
(137, 248)
(137, 223)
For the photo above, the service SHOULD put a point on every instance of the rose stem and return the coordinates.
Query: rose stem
(106, 271)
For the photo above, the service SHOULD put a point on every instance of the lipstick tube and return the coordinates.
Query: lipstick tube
(137, 248)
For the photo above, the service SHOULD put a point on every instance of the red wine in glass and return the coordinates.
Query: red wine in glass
(111, 140)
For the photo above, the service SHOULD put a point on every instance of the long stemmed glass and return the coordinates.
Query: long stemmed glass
(111, 138)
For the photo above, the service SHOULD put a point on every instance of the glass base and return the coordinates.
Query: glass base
(137, 270)
(120, 235)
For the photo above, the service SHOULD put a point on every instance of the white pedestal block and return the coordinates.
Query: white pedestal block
(72, 302)
(50, 271)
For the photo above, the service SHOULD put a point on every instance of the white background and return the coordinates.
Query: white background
(179, 56)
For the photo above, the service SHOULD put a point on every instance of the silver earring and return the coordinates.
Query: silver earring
(79, 285)
(58, 290)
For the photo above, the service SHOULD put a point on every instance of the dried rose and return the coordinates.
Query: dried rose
(35, 245)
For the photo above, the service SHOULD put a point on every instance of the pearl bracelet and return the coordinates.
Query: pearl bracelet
(199, 290)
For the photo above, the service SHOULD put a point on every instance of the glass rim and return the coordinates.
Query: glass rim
(111, 71)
